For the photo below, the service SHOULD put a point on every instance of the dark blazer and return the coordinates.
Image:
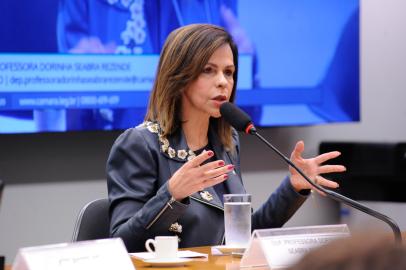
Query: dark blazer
(140, 164)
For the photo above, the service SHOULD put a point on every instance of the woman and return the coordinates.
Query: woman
(167, 176)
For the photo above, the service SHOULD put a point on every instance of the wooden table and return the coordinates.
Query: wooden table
(227, 262)
(212, 262)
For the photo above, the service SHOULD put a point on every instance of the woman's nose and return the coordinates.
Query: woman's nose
(221, 80)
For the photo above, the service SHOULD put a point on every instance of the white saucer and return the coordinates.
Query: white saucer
(230, 249)
(168, 262)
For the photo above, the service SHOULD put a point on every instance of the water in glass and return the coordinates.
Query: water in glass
(237, 220)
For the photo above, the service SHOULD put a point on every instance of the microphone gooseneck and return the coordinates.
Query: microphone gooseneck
(241, 121)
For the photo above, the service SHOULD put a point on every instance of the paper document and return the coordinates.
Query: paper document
(181, 254)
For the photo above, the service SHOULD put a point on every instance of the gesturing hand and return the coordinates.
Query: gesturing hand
(312, 167)
(93, 45)
(193, 177)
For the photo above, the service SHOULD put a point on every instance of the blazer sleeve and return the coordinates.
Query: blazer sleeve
(140, 206)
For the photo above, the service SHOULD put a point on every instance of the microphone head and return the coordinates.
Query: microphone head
(236, 117)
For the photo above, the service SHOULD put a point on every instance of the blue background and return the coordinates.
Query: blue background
(307, 64)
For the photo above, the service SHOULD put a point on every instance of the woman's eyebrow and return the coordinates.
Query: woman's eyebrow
(215, 65)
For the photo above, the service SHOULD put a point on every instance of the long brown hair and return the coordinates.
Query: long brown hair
(184, 55)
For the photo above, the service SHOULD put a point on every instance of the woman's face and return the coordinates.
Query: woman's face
(213, 86)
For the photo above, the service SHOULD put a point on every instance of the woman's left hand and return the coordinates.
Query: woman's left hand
(312, 167)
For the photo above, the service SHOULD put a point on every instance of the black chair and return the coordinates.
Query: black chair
(2, 258)
(93, 221)
(1, 189)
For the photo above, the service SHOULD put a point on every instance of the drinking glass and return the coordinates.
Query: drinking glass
(237, 219)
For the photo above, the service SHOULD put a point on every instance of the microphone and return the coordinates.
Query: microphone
(241, 121)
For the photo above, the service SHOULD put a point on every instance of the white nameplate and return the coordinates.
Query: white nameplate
(281, 248)
(103, 254)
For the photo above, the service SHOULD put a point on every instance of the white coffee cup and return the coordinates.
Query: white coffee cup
(166, 247)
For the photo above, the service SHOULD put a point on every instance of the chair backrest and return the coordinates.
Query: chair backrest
(93, 221)
(1, 189)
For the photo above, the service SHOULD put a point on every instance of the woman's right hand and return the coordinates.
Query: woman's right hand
(93, 45)
(193, 177)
